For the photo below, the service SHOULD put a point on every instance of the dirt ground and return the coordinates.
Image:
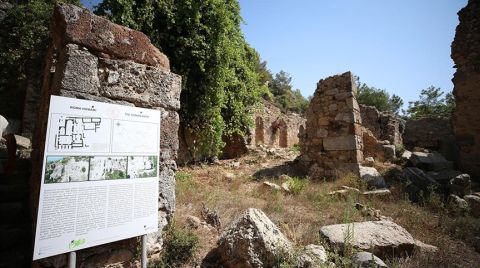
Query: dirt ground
(229, 187)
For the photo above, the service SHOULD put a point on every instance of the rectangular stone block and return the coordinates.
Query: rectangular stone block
(341, 143)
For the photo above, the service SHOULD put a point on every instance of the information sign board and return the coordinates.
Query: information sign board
(100, 175)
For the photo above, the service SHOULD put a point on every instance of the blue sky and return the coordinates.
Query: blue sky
(402, 46)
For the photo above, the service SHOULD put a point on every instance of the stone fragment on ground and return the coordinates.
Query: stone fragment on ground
(443, 176)
(473, 204)
(312, 256)
(365, 259)
(433, 161)
(456, 205)
(419, 179)
(382, 238)
(272, 185)
(460, 185)
(193, 222)
(379, 192)
(353, 189)
(425, 248)
(369, 161)
(252, 240)
(372, 177)
(23, 142)
(389, 152)
(286, 187)
(229, 176)
(406, 155)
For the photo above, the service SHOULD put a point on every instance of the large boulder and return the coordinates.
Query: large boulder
(382, 238)
(312, 256)
(372, 177)
(474, 204)
(430, 161)
(252, 240)
(456, 205)
(420, 179)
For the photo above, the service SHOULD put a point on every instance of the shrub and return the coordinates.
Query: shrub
(296, 185)
(295, 148)
(180, 245)
(399, 150)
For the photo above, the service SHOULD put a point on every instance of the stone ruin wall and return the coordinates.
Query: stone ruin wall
(332, 140)
(466, 80)
(275, 129)
(94, 59)
(383, 125)
(272, 129)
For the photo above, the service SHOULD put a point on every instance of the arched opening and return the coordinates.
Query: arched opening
(259, 131)
(283, 133)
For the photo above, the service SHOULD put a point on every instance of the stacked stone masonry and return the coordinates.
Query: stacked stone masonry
(383, 125)
(332, 140)
(94, 59)
(276, 129)
(466, 80)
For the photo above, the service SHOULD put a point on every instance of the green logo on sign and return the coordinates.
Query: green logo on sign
(76, 243)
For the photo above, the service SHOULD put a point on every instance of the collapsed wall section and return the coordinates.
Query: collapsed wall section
(332, 140)
(466, 80)
(91, 58)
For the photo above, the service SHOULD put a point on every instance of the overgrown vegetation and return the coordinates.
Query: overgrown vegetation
(281, 91)
(23, 44)
(205, 45)
(180, 246)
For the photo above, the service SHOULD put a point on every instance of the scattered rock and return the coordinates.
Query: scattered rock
(379, 192)
(389, 152)
(406, 155)
(23, 142)
(443, 176)
(285, 186)
(425, 248)
(474, 204)
(460, 185)
(369, 161)
(312, 256)
(252, 240)
(193, 222)
(235, 164)
(272, 185)
(351, 189)
(367, 260)
(382, 238)
(456, 205)
(211, 217)
(420, 179)
(229, 176)
(430, 161)
(372, 177)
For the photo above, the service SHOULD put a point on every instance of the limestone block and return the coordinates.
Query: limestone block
(80, 73)
(78, 25)
(340, 143)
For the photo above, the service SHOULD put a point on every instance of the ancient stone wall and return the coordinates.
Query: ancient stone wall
(430, 133)
(466, 80)
(94, 59)
(383, 125)
(332, 140)
(276, 129)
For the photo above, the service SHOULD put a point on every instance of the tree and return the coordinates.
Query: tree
(284, 97)
(379, 98)
(431, 104)
(205, 45)
(23, 43)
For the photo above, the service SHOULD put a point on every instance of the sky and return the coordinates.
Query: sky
(402, 46)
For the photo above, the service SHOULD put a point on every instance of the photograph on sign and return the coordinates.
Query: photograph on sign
(100, 175)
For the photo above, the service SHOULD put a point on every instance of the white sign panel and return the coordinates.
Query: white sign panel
(100, 175)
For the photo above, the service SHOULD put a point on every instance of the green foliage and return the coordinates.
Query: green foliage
(431, 104)
(284, 97)
(378, 98)
(399, 150)
(296, 185)
(295, 148)
(205, 45)
(180, 246)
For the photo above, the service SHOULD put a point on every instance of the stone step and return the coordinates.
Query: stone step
(13, 192)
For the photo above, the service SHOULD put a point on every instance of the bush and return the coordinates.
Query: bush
(296, 185)
(399, 150)
(295, 148)
(180, 245)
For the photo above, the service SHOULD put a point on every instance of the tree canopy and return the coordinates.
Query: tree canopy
(205, 45)
(431, 104)
(379, 98)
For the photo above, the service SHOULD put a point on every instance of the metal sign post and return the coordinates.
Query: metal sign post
(144, 251)
(72, 259)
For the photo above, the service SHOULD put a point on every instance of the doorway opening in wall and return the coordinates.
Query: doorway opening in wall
(259, 131)
(283, 131)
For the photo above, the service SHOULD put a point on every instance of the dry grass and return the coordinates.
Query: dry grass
(300, 216)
